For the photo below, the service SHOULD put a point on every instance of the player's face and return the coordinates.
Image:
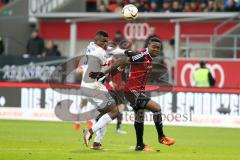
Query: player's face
(102, 42)
(154, 48)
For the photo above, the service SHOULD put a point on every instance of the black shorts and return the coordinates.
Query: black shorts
(138, 99)
(118, 96)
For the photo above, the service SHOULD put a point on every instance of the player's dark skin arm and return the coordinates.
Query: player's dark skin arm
(110, 70)
(121, 62)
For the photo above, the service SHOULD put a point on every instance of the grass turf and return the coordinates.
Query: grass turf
(53, 140)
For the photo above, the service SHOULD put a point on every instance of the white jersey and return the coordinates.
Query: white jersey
(117, 51)
(96, 51)
(94, 61)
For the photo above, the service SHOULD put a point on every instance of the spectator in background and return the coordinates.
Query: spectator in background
(51, 49)
(35, 44)
(119, 7)
(143, 6)
(118, 37)
(203, 77)
(102, 5)
(238, 54)
(210, 6)
(124, 2)
(194, 6)
(170, 5)
(172, 52)
(231, 6)
(186, 7)
(102, 8)
(214, 6)
(182, 52)
(166, 7)
(1, 45)
(5, 1)
(219, 6)
(176, 6)
(119, 40)
(153, 7)
(1, 5)
(203, 5)
(112, 6)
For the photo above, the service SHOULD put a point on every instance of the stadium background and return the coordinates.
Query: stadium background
(191, 32)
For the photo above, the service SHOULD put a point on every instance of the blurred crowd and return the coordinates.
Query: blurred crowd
(4, 2)
(170, 5)
(37, 47)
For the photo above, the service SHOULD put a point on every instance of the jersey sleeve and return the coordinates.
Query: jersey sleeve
(137, 58)
(93, 65)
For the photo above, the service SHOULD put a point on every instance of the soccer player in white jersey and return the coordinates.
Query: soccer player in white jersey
(85, 106)
(96, 59)
(114, 86)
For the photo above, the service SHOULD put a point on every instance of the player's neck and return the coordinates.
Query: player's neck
(149, 53)
(99, 47)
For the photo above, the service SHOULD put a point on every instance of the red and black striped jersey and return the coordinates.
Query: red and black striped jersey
(140, 69)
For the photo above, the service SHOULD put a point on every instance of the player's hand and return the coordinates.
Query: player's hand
(96, 75)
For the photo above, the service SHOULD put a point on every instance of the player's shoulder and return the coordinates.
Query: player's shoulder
(143, 50)
(94, 50)
(141, 56)
(91, 47)
(146, 53)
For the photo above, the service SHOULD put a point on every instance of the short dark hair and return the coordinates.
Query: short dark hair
(155, 39)
(202, 64)
(101, 33)
(118, 32)
(35, 30)
(172, 42)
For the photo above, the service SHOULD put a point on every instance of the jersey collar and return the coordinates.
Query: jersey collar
(98, 47)
(149, 54)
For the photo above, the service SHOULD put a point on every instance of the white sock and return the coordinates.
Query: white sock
(100, 134)
(103, 121)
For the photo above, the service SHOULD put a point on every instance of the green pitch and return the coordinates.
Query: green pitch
(26, 140)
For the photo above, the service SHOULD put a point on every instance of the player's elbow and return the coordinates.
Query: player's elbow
(124, 61)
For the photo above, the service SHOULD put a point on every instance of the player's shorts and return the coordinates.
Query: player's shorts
(138, 99)
(118, 96)
(98, 95)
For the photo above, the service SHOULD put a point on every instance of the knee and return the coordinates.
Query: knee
(156, 110)
(119, 116)
(139, 115)
(121, 107)
(114, 112)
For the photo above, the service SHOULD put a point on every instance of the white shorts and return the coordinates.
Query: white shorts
(97, 94)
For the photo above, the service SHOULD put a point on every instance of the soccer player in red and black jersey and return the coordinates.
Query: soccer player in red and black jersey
(141, 66)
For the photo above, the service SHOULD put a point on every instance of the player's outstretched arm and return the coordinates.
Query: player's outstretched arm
(120, 62)
(79, 70)
(125, 60)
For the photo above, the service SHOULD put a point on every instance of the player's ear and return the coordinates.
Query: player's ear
(96, 41)
(161, 46)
